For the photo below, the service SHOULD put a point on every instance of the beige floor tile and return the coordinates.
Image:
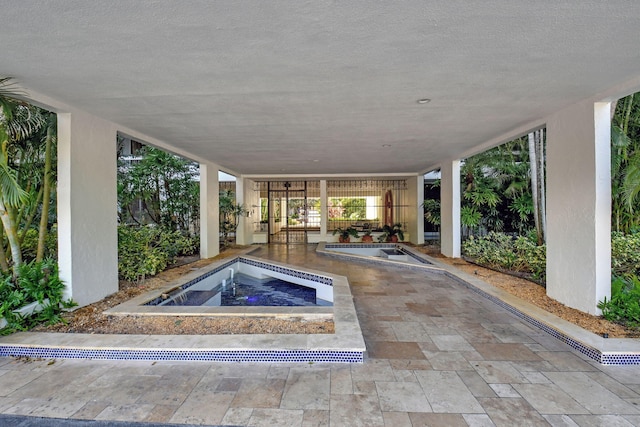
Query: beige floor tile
(276, 417)
(591, 395)
(90, 410)
(497, 372)
(437, 420)
(402, 397)
(509, 412)
(601, 420)
(131, 412)
(307, 389)
(446, 392)
(237, 416)
(549, 399)
(203, 408)
(259, 393)
(355, 411)
(396, 419)
(315, 418)
(478, 420)
(510, 351)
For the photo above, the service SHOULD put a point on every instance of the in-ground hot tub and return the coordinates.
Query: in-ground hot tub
(396, 254)
(207, 287)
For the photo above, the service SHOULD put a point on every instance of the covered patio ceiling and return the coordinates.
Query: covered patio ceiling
(321, 87)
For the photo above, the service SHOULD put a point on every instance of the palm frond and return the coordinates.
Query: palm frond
(631, 182)
(10, 190)
(25, 121)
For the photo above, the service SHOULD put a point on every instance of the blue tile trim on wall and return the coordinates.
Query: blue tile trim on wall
(271, 356)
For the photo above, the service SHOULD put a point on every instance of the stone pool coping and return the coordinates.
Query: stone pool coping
(346, 345)
(606, 351)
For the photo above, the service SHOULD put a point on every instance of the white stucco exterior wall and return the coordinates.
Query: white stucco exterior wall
(450, 209)
(579, 205)
(209, 210)
(87, 206)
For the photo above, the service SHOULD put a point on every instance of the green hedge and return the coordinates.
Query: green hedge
(625, 254)
(504, 252)
(146, 251)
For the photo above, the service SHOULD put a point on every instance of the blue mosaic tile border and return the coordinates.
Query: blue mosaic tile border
(620, 359)
(359, 245)
(295, 273)
(592, 353)
(288, 271)
(414, 256)
(271, 356)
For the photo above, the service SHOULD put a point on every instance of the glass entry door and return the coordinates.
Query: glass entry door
(287, 212)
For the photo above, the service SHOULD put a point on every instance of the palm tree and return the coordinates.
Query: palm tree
(18, 122)
(537, 166)
(229, 213)
(625, 164)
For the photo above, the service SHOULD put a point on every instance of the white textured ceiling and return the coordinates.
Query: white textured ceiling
(318, 87)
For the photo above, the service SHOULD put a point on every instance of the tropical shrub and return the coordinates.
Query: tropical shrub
(624, 305)
(146, 251)
(163, 184)
(625, 254)
(505, 252)
(38, 281)
(29, 244)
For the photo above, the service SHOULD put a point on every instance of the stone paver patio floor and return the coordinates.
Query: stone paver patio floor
(438, 355)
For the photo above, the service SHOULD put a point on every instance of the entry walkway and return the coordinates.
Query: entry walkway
(438, 355)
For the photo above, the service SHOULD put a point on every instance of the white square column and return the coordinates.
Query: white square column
(450, 209)
(209, 210)
(579, 205)
(87, 207)
(415, 219)
(324, 209)
(246, 197)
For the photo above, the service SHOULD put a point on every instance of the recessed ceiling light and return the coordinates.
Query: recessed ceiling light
(423, 101)
(316, 160)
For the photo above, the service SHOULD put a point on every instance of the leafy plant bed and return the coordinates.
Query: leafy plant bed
(36, 295)
(536, 294)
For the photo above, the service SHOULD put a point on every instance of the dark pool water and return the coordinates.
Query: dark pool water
(249, 291)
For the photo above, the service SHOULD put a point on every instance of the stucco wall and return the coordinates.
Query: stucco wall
(450, 208)
(209, 211)
(87, 206)
(578, 205)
